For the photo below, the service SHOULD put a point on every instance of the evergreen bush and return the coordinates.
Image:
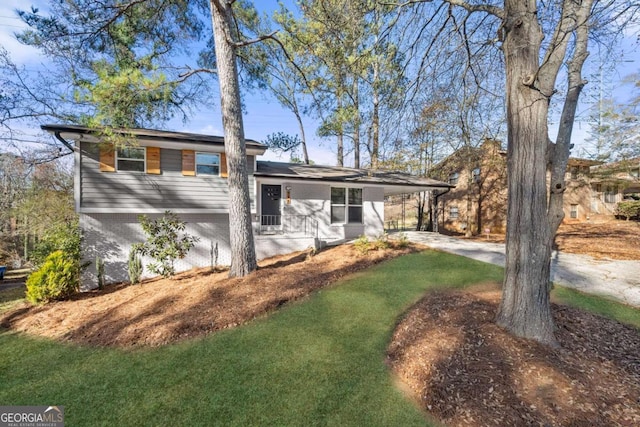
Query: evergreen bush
(166, 242)
(134, 267)
(56, 279)
(628, 209)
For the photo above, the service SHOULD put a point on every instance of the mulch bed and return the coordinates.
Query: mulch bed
(613, 239)
(466, 371)
(194, 303)
(457, 363)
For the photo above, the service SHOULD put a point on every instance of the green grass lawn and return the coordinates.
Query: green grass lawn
(316, 362)
(605, 307)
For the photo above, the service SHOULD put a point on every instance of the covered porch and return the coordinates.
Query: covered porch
(325, 203)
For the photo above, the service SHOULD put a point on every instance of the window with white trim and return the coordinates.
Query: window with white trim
(453, 178)
(131, 159)
(476, 175)
(453, 212)
(574, 211)
(610, 194)
(207, 164)
(346, 205)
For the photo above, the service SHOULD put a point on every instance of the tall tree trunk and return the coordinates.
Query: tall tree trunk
(243, 254)
(479, 213)
(305, 153)
(375, 120)
(468, 232)
(340, 136)
(356, 124)
(525, 309)
(559, 152)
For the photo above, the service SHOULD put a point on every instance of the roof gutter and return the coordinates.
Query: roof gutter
(442, 194)
(64, 141)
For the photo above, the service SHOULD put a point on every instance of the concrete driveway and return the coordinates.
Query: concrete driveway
(619, 280)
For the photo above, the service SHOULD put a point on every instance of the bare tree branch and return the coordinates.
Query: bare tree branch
(254, 40)
(486, 8)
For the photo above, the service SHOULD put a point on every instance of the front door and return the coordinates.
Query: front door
(271, 195)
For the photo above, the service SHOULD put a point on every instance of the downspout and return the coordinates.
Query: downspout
(435, 199)
(64, 141)
(76, 175)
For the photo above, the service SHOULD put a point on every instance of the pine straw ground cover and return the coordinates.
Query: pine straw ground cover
(192, 304)
(466, 371)
(605, 239)
(446, 351)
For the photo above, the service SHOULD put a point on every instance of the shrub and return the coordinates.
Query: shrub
(134, 266)
(65, 237)
(57, 278)
(628, 209)
(402, 241)
(381, 242)
(100, 272)
(362, 244)
(166, 242)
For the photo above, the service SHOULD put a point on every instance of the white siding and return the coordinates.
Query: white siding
(268, 246)
(373, 215)
(314, 200)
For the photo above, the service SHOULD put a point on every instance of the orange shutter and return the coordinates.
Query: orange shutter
(223, 166)
(188, 162)
(153, 160)
(107, 158)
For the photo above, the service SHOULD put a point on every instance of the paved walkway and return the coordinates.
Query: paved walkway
(619, 280)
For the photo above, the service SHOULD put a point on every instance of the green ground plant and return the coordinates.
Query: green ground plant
(57, 278)
(166, 242)
(364, 245)
(65, 237)
(316, 362)
(628, 209)
(402, 240)
(134, 266)
(100, 272)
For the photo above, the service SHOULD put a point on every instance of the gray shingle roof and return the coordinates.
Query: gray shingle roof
(152, 134)
(346, 175)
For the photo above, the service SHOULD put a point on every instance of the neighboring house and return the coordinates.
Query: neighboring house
(581, 199)
(294, 206)
(610, 183)
(479, 200)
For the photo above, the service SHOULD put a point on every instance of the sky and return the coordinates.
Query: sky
(264, 116)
